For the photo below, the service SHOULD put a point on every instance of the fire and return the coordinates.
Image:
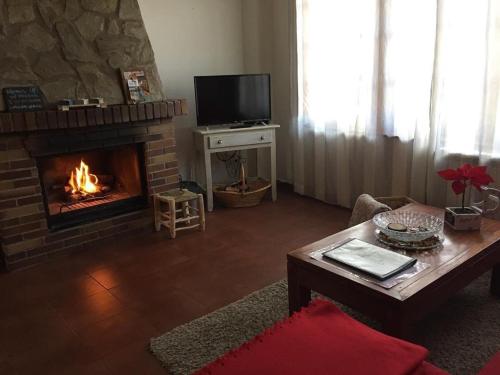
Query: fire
(82, 181)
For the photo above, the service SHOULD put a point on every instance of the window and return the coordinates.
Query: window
(395, 68)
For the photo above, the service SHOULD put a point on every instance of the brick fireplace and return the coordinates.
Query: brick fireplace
(129, 154)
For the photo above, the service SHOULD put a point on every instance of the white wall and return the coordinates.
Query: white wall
(193, 37)
(266, 42)
(205, 37)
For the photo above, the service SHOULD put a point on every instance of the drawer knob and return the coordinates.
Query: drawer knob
(219, 141)
(262, 138)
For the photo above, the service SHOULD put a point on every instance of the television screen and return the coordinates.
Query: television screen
(233, 98)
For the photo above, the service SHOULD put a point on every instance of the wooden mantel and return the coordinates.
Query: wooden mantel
(15, 122)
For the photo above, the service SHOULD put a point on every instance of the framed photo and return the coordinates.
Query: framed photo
(136, 85)
(23, 99)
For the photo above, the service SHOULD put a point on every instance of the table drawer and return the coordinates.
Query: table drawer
(240, 139)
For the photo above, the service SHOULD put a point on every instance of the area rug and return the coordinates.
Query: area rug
(461, 335)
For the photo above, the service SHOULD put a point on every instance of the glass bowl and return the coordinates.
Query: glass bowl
(420, 226)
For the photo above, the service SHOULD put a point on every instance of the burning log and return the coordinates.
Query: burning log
(74, 197)
(105, 189)
(79, 196)
(83, 185)
(83, 181)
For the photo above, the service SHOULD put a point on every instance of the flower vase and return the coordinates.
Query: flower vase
(466, 218)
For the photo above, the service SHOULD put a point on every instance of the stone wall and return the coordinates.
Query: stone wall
(74, 48)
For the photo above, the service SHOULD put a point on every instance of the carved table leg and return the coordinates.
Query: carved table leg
(298, 295)
(398, 327)
(495, 281)
(397, 323)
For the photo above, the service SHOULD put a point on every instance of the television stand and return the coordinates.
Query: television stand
(241, 126)
(209, 141)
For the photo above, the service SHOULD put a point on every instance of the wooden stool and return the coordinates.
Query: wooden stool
(189, 213)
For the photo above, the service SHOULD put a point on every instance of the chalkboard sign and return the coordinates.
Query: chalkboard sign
(23, 99)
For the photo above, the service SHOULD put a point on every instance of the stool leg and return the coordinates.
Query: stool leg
(157, 212)
(201, 212)
(171, 208)
(185, 211)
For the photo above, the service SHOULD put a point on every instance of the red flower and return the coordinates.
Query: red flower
(476, 175)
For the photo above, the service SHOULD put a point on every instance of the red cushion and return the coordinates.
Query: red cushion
(428, 369)
(321, 339)
(492, 367)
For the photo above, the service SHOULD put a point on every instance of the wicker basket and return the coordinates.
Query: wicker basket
(253, 197)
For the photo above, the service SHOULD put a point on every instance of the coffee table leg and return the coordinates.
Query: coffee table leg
(495, 281)
(397, 327)
(298, 295)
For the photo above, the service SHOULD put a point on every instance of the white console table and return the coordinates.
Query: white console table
(212, 140)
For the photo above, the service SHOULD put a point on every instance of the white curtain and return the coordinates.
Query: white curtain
(389, 91)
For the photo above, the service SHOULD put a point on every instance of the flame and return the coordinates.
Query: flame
(82, 181)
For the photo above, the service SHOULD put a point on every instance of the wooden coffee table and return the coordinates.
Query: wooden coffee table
(463, 257)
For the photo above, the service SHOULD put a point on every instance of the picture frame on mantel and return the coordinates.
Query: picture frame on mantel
(135, 85)
(23, 99)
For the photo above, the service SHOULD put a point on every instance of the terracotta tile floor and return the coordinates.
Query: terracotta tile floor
(93, 312)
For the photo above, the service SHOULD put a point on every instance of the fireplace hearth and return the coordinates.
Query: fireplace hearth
(85, 186)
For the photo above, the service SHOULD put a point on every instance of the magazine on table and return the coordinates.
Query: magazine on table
(370, 259)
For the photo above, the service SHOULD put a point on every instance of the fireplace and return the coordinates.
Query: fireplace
(127, 151)
(84, 186)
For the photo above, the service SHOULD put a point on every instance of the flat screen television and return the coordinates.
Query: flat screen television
(228, 99)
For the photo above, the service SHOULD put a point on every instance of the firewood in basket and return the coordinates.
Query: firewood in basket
(243, 179)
